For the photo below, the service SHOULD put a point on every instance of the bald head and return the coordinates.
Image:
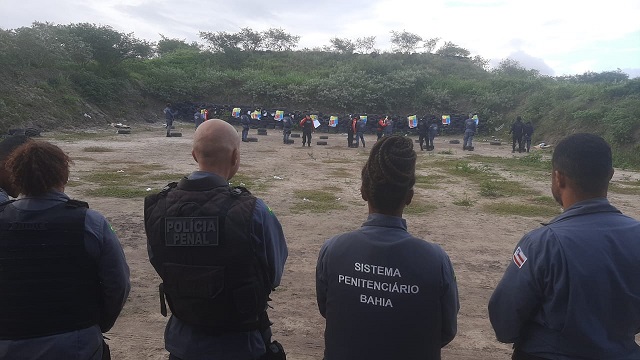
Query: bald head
(216, 148)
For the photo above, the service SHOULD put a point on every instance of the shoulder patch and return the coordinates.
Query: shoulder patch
(519, 258)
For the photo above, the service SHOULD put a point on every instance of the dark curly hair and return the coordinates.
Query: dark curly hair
(390, 173)
(37, 167)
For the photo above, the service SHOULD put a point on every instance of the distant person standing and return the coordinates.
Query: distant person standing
(516, 134)
(360, 128)
(572, 287)
(198, 117)
(423, 129)
(382, 123)
(433, 131)
(307, 128)
(470, 128)
(527, 132)
(245, 121)
(169, 115)
(351, 130)
(388, 130)
(384, 293)
(287, 124)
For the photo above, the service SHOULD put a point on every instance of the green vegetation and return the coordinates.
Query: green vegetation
(317, 201)
(498, 188)
(466, 201)
(527, 210)
(625, 190)
(446, 152)
(417, 207)
(118, 192)
(130, 182)
(76, 67)
(430, 181)
(251, 182)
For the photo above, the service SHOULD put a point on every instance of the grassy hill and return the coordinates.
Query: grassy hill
(51, 76)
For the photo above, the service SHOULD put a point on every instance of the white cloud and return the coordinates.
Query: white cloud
(560, 34)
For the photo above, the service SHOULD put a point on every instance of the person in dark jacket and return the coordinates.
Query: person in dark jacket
(571, 290)
(527, 132)
(287, 124)
(307, 128)
(470, 128)
(433, 131)
(220, 251)
(381, 277)
(63, 275)
(516, 134)
(351, 130)
(360, 128)
(169, 116)
(245, 121)
(423, 130)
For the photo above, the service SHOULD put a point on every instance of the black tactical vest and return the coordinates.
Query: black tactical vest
(200, 243)
(48, 283)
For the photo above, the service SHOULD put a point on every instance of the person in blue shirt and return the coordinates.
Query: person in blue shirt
(169, 116)
(470, 128)
(572, 288)
(219, 251)
(384, 293)
(63, 275)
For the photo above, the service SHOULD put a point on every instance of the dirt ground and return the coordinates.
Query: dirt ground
(479, 244)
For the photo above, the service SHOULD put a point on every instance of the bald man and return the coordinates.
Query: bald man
(220, 251)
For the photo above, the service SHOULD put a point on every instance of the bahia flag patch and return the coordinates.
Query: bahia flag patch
(519, 258)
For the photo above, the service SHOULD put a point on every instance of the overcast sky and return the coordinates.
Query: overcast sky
(556, 37)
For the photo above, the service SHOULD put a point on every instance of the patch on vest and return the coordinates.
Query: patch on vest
(191, 231)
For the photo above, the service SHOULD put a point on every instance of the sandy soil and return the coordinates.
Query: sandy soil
(479, 244)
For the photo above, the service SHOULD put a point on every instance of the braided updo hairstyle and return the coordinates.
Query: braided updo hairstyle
(390, 173)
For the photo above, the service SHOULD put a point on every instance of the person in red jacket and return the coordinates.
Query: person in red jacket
(382, 123)
(307, 128)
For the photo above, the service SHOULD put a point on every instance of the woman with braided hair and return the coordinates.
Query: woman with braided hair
(384, 293)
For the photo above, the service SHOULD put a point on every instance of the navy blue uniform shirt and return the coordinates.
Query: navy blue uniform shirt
(572, 289)
(103, 245)
(385, 294)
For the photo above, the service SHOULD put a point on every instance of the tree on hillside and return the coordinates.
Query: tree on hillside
(404, 42)
(480, 61)
(108, 46)
(342, 46)
(592, 77)
(166, 45)
(221, 41)
(451, 49)
(276, 39)
(365, 44)
(513, 68)
(250, 40)
(430, 44)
